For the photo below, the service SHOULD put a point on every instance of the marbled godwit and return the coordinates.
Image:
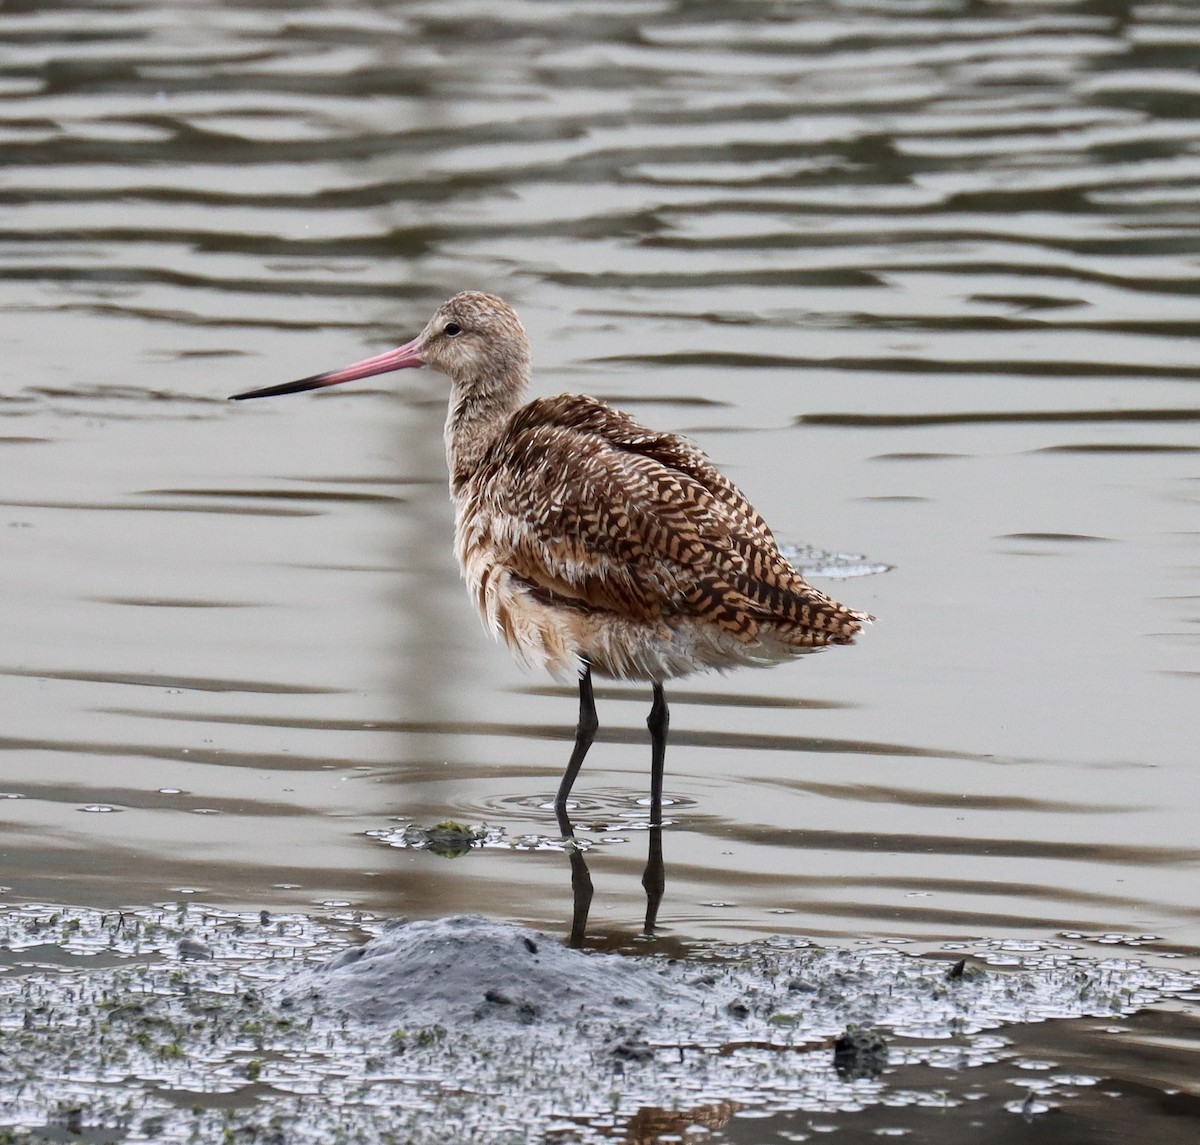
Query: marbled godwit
(591, 543)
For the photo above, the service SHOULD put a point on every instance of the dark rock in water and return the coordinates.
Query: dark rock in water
(860, 1052)
(468, 970)
(449, 839)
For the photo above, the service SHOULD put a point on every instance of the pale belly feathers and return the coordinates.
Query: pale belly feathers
(560, 637)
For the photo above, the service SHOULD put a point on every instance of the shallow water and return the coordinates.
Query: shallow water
(920, 277)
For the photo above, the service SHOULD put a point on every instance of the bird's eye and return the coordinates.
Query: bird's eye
(452, 330)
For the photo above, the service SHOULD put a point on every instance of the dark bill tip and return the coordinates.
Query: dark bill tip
(312, 382)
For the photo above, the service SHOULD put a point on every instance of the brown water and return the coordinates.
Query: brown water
(921, 277)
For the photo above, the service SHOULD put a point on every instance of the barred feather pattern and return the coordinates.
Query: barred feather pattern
(583, 535)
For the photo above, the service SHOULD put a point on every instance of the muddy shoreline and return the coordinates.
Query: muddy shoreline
(185, 1023)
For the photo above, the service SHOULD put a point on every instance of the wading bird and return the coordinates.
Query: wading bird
(591, 543)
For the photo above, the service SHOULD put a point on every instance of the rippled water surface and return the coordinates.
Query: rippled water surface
(922, 277)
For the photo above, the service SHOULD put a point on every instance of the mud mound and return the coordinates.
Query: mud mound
(466, 970)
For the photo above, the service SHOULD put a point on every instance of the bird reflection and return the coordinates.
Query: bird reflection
(651, 1124)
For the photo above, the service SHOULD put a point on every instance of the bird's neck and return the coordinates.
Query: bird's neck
(478, 416)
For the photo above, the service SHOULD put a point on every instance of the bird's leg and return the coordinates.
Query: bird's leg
(658, 721)
(584, 734)
(581, 879)
(654, 878)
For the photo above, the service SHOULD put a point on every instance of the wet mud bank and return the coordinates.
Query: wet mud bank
(186, 1024)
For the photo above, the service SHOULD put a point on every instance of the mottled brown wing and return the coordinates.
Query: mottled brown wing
(588, 415)
(604, 513)
(559, 516)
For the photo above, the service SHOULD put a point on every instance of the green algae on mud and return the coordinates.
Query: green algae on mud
(185, 1023)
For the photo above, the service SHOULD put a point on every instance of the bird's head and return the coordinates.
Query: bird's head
(475, 338)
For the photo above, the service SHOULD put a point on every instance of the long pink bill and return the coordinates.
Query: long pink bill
(401, 358)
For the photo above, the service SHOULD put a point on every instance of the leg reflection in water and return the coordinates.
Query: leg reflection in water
(653, 877)
(581, 880)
